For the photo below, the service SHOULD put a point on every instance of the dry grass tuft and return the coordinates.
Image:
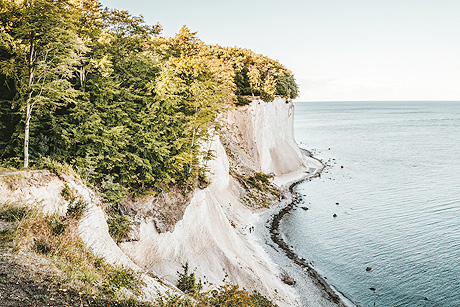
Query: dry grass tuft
(56, 238)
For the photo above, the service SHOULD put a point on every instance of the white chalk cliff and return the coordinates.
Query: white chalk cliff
(213, 234)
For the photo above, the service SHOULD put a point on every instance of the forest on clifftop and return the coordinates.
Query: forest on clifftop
(104, 92)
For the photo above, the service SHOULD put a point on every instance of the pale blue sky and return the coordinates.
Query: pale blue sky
(337, 49)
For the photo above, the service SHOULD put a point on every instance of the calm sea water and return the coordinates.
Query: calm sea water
(398, 195)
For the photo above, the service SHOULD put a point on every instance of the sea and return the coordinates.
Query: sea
(383, 220)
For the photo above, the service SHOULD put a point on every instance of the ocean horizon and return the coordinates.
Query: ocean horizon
(391, 181)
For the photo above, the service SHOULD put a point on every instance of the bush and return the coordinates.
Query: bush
(76, 208)
(169, 300)
(187, 281)
(113, 192)
(259, 180)
(242, 101)
(12, 163)
(67, 192)
(119, 225)
(261, 301)
(230, 295)
(58, 224)
(121, 278)
(56, 167)
(226, 295)
(42, 246)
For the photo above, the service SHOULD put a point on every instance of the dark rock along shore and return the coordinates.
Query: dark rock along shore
(302, 263)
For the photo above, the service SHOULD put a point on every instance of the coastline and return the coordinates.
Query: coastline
(312, 288)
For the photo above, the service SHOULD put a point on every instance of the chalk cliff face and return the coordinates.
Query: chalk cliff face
(213, 234)
(266, 133)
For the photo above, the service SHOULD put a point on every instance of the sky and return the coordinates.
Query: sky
(338, 50)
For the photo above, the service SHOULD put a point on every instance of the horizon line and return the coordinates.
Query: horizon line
(403, 100)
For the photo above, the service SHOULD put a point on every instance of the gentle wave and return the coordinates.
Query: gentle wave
(398, 195)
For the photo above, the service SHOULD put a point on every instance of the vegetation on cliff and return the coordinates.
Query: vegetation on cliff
(102, 91)
(44, 261)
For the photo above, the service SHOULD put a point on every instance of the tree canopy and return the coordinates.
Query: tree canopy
(101, 90)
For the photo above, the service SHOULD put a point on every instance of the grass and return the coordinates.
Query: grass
(119, 278)
(56, 238)
(12, 212)
(13, 180)
(55, 167)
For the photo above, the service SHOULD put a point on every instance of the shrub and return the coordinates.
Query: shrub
(76, 208)
(187, 281)
(113, 192)
(12, 163)
(119, 225)
(121, 278)
(230, 295)
(169, 300)
(56, 167)
(67, 192)
(259, 180)
(58, 224)
(242, 101)
(42, 246)
(261, 301)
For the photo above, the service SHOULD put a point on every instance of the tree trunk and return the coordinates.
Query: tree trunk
(29, 103)
(193, 140)
(26, 136)
(82, 75)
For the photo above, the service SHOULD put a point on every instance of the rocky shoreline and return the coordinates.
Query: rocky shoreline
(273, 224)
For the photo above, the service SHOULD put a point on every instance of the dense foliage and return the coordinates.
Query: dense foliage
(100, 90)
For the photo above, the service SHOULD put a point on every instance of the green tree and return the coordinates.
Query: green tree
(196, 88)
(44, 49)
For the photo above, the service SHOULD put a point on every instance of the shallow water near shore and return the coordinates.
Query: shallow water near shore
(398, 197)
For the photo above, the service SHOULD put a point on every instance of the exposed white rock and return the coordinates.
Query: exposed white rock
(213, 235)
(206, 239)
(266, 131)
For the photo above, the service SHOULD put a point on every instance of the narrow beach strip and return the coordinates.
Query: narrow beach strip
(331, 294)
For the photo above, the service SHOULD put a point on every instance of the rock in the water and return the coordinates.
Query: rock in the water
(288, 280)
(368, 268)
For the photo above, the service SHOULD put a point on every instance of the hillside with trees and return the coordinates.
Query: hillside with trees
(104, 92)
